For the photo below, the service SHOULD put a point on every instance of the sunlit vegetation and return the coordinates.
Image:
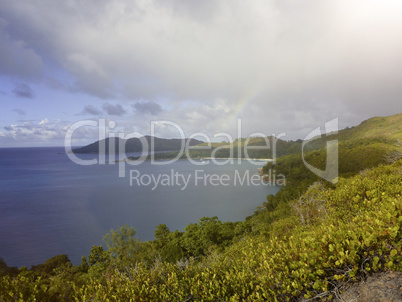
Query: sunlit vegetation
(309, 240)
(324, 239)
(253, 147)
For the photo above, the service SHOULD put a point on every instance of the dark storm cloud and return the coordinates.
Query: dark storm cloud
(287, 63)
(91, 110)
(23, 90)
(113, 109)
(148, 107)
(20, 112)
(16, 58)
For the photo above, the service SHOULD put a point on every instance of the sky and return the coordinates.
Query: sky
(278, 66)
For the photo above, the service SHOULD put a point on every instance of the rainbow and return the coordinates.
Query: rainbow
(247, 98)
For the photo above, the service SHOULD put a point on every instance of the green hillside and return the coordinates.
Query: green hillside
(310, 240)
(331, 237)
(382, 130)
(364, 146)
(135, 144)
(239, 148)
(388, 128)
(243, 148)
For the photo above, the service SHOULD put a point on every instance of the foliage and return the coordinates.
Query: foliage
(394, 154)
(51, 281)
(122, 244)
(308, 240)
(359, 232)
(343, 234)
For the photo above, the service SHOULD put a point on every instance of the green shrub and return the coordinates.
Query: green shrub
(359, 233)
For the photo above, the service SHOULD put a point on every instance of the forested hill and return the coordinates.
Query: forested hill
(312, 240)
(112, 145)
(386, 128)
(383, 130)
(373, 142)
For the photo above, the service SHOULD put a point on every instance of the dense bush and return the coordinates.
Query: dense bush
(308, 240)
(330, 236)
(356, 230)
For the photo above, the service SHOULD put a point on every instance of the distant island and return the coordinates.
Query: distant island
(314, 239)
(156, 144)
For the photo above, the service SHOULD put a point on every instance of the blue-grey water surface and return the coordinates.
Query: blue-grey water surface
(50, 205)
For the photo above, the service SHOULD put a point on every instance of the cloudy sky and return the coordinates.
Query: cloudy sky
(280, 66)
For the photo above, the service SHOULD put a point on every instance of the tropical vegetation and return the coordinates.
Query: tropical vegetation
(310, 240)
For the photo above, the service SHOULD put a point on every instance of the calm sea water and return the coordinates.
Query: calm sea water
(49, 205)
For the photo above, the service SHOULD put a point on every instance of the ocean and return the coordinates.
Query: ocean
(50, 205)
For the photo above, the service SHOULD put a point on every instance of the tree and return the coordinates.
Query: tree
(122, 246)
(161, 235)
(98, 261)
(5, 270)
(207, 233)
(51, 264)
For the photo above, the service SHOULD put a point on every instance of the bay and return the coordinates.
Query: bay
(50, 205)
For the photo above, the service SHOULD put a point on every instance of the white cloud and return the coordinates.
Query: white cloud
(279, 65)
(42, 133)
(43, 122)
